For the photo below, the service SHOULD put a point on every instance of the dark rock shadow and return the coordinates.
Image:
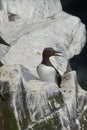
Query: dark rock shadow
(79, 63)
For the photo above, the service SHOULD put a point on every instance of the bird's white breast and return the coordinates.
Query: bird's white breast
(46, 73)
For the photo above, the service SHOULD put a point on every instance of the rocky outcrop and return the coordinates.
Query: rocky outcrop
(26, 102)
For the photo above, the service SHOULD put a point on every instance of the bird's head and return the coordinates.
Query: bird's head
(48, 52)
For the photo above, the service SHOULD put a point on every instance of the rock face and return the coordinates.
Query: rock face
(26, 102)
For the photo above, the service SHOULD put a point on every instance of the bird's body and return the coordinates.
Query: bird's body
(46, 71)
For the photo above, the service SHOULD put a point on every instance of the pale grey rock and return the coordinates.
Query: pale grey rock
(28, 97)
(31, 9)
(3, 17)
(38, 99)
(3, 50)
(56, 33)
(29, 27)
(70, 90)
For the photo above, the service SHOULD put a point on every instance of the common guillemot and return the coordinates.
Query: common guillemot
(46, 71)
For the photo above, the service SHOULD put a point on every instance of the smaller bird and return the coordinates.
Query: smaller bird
(46, 71)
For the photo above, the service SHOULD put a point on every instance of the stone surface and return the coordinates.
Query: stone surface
(57, 33)
(30, 9)
(28, 27)
(3, 17)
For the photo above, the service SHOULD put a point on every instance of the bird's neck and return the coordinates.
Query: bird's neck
(46, 61)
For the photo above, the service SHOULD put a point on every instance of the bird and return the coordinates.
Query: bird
(46, 71)
(2, 41)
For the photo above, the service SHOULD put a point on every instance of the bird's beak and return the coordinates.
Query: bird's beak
(58, 53)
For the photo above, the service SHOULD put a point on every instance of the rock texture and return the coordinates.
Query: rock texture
(26, 102)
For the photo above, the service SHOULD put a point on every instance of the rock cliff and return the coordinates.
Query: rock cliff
(28, 26)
